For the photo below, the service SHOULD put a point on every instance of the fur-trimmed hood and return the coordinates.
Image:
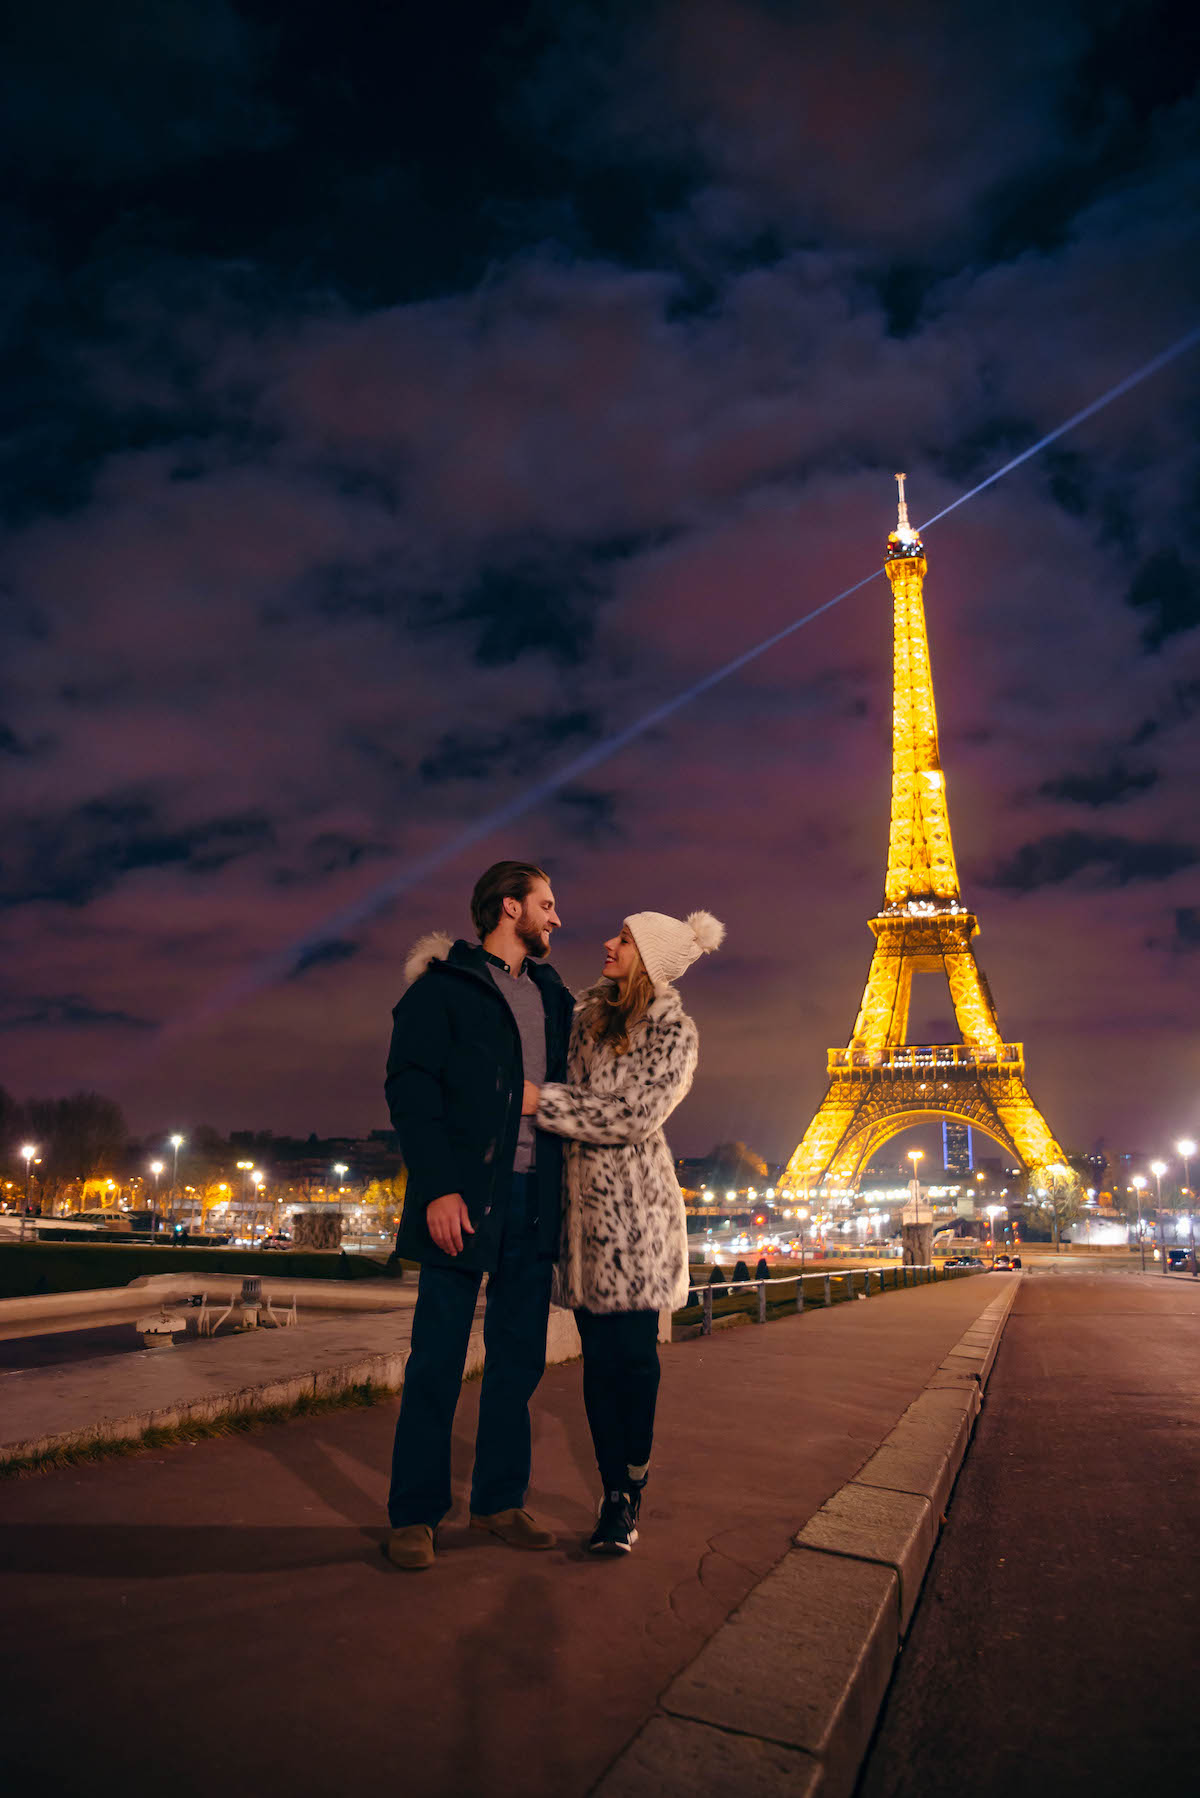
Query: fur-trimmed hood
(434, 947)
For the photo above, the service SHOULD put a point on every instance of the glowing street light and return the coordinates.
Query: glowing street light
(245, 1168)
(1187, 1148)
(993, 1212)
(176, 1143)
(28, 1156)
(1139, 1183)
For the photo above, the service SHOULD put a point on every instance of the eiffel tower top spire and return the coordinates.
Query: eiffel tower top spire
(921, 873)
(903, 540)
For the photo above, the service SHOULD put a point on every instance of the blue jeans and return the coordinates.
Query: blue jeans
(516, 1312)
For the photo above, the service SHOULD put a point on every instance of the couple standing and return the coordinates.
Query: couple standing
(492, 1069)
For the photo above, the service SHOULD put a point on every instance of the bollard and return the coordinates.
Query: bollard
(762, 1301)
(800, 1293)
(828, 1290)
(706, 1320)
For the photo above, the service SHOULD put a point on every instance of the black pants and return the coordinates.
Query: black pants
(620, 1386)
(514, 1339)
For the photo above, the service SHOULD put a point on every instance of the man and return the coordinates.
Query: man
(484, 1196)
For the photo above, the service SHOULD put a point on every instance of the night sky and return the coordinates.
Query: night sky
(402, 400)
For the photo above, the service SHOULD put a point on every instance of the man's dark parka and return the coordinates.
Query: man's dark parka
(454, 1083)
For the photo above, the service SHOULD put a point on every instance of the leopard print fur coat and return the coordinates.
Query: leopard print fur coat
(624, 1232)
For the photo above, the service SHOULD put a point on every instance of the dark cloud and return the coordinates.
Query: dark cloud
(323, 955)
(332, 852)
(482, 755)
(1108, 860)
(1167, 590)
(520, 609)
(74, 857)
(1183, 937)
(101, 96)
(1179, 704)
(592, 815)
(66, 1011)
(1187, 927)
(1114, 783)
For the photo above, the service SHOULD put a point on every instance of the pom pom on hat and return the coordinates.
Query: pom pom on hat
(669, 946)
(709, 931)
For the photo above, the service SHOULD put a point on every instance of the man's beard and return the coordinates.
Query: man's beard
(531, 937)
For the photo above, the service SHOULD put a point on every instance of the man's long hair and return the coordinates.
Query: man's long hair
(617, 1007)
(503, 880)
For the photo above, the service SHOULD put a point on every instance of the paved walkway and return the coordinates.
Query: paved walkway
(54, 1392)
(221, 1612)
(1057, 1640)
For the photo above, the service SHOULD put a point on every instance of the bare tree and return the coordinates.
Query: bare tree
(77, 1137)
(733, 1164)
(1056, 1193)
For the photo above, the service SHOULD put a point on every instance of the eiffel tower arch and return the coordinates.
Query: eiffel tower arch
(880, 1084)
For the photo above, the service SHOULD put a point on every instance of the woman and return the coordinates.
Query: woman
(623, 1256)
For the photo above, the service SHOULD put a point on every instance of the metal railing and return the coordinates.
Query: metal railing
(929, 1270)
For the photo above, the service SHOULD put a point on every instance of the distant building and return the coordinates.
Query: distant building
(958, 1149)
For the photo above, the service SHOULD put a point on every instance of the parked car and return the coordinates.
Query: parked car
(1180, 1260)
(962, 1261)
(281, 1241)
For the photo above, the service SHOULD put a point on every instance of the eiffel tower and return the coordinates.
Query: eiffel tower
(880, 1084)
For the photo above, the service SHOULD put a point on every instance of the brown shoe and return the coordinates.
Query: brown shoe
(517, 1528)
(411, 1547)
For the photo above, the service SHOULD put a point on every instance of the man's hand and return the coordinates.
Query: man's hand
(529, 1099)
(447, 1218)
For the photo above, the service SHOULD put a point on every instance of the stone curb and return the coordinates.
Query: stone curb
(385, 1370)
(784, 1697)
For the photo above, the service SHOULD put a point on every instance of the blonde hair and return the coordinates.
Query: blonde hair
(616, 1007)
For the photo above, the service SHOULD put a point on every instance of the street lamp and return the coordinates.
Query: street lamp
(156, 1168)
(256, 1179)
(1187, 1148)
(176, 1143)
(245, 1168)
(28, 1154)
(916, 1156)
(992, 1212)
(1158, 1169)
(1139, 1182)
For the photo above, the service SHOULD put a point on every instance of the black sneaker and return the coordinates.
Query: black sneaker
(616, 1527)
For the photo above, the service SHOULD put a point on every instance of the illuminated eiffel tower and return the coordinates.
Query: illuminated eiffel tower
(880, 1084)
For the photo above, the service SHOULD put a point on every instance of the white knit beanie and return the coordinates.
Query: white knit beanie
(669, 946)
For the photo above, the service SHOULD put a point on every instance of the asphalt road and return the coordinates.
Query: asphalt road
(1056, 1647)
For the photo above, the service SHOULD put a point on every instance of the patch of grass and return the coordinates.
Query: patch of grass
(27, 1268)
(197, 1429)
